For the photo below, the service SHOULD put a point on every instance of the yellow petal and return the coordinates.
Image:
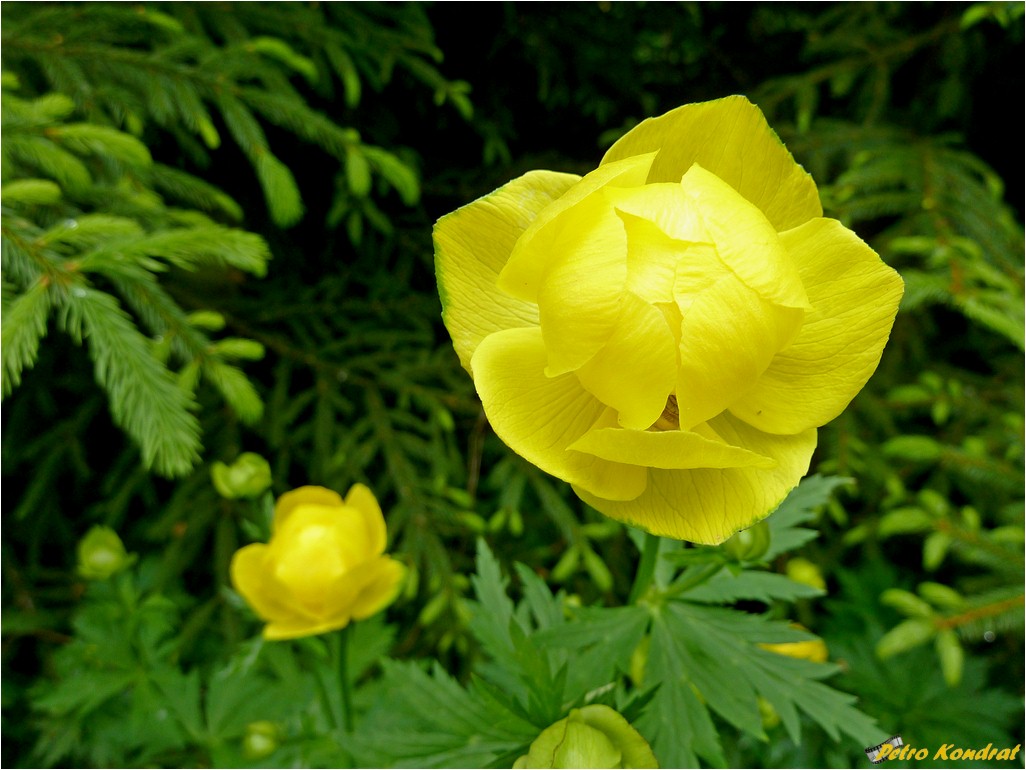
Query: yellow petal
(585, 272)
(729, 335)
(315, 547)
(854, 297)
(363, 500)
(669, 449)
(541, 243)
(472, 245)
(284, 629)
(539, 417)
(729, 137)
(379, 589)
(636, 370)
(709, 505)
(745, 240)
(289, 501)
(653, 257)
(252, 575)
(665, 205)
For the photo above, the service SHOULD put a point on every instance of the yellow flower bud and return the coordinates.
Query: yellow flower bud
(804, 571)
(102, 554)
(813, 649)
(248, 476)
(324, 566)
(593, 736)
(667, 332)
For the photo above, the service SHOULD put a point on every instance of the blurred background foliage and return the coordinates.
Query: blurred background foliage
(216, 239)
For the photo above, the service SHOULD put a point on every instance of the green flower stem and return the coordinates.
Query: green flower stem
(646, 568)
(343, 675)
(325, 674)
(334, 682)
(692, 578)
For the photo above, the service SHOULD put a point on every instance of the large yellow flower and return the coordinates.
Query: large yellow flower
(667, 332)
(323, 567)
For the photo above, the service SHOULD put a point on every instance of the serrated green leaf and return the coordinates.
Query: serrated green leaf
(725, 587)
(799, 507)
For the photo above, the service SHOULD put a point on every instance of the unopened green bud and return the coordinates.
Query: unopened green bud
(261, 740)
(768, 714)
(102, 554)
(592, 736)
(247, 477)
(749, 544)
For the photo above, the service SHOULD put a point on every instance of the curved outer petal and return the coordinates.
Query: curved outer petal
(731, 138)
(277, 630)
(472, 245)
(855, 297)
(289, 501)
(668, 449)
(363, 500)
(539, 417)
(252, 575)
(709, 505)
(380, 587)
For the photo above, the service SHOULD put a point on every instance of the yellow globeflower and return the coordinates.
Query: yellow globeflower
(667, 332)
(323, 567)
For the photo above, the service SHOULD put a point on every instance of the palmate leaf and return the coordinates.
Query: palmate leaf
(518, 666)
(428, 720)
(709, 660)
(799, 507)
(725, 587)
(597, 645)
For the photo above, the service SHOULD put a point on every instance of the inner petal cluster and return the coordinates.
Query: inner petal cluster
(647, 298)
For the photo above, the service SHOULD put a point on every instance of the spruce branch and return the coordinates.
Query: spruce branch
(144, 399)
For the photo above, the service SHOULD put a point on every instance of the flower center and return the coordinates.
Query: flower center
(670, 418)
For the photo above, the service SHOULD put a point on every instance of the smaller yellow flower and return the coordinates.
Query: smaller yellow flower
(324, 566)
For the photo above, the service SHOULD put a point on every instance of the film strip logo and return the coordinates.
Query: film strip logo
(875, 753)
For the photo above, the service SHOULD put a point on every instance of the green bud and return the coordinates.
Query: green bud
(261, 740)
(247, 477)
(768, 714)
(749, 544)
(592, 736)
(102, 554)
